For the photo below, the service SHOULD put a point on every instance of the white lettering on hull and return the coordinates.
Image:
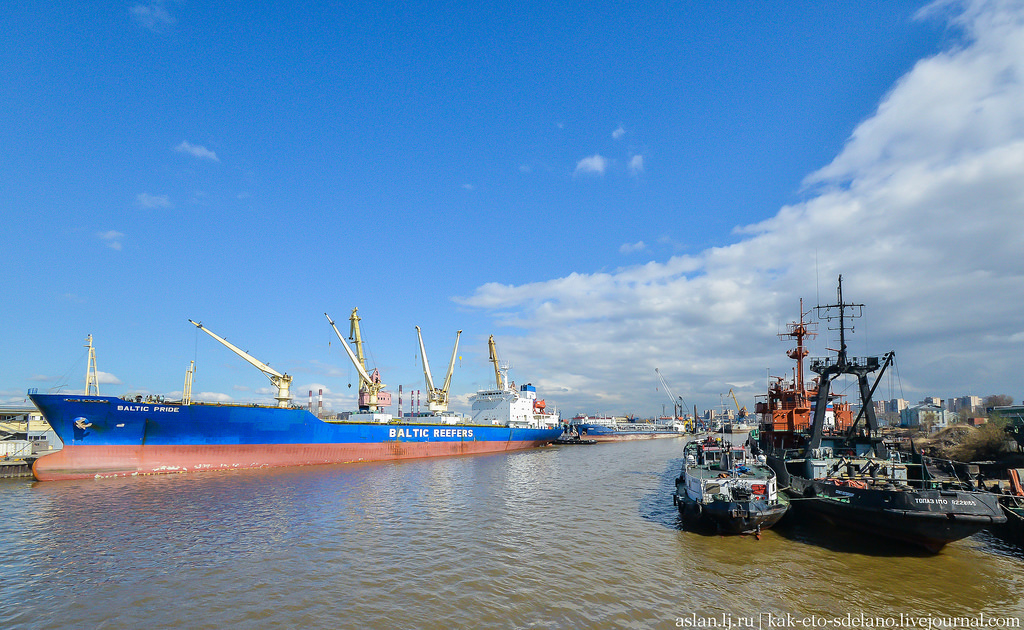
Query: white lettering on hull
(424, 434)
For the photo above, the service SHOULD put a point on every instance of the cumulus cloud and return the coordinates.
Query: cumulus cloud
(197, 151)
(922, 213)
(147, 200)
(595, 164)
(153, 16)
(106, 378)
(629, 248)
(618, 133)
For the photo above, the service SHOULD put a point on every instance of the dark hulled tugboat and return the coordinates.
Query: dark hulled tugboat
(848, 475)
(723, 486)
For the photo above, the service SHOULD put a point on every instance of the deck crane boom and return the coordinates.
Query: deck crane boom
(437, 397)
(369, 385)
(355, 336)
(282, 382)
(741, 411)
(499, 379)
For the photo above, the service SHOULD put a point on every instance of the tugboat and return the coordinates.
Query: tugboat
(846, 474)
(723, 486)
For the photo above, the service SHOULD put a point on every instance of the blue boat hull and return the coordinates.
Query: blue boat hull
(108, 436)
(606, 433)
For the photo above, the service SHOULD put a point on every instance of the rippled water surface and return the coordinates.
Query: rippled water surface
(559, 537)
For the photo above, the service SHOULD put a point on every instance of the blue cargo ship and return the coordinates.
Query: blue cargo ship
(106, 436)
(109, 436)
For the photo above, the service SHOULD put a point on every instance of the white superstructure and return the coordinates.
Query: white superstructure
(513, 408)
(504, 405)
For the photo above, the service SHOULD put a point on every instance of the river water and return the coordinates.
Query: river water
(558, 537)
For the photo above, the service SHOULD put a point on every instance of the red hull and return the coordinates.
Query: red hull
(87, 462)
(635, 436)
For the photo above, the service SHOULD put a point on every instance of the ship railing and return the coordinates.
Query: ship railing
(821, 363)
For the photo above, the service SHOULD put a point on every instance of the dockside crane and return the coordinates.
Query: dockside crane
(677, 402)
(740, 411)
(370, 387)
(282, 382)
(437, 397)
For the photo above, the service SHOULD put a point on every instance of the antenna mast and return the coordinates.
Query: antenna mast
(92, 380)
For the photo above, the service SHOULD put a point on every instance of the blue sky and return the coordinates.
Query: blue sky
(605, 189)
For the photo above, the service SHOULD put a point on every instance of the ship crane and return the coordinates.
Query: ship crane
(742, 412)
(282, 382)
(369, 385)
(499, 378)
(437, 397)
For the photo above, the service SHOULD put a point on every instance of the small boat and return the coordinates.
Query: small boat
(723, 486)
(573, 441)
(570, 436)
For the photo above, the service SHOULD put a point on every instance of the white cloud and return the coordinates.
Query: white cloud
(618, 133)
(152, 16)
(106, 378)
(636, 165)
(197, 151)
(212, 397)
(922, 213)
(629, 248)
(112, 239)
(147, 200)
(594, 164)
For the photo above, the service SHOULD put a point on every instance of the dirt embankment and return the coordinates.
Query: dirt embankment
(964, 443)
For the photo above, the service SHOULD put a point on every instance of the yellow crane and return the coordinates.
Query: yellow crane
(437, 397)
(741, 411)
(282, 382)
(498, 378)
(371, 394)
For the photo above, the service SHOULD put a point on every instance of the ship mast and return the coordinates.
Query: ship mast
(186, 392)
(92, 379)
(282, 382)
(828, 370)
(799, 330)
(437, 397)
